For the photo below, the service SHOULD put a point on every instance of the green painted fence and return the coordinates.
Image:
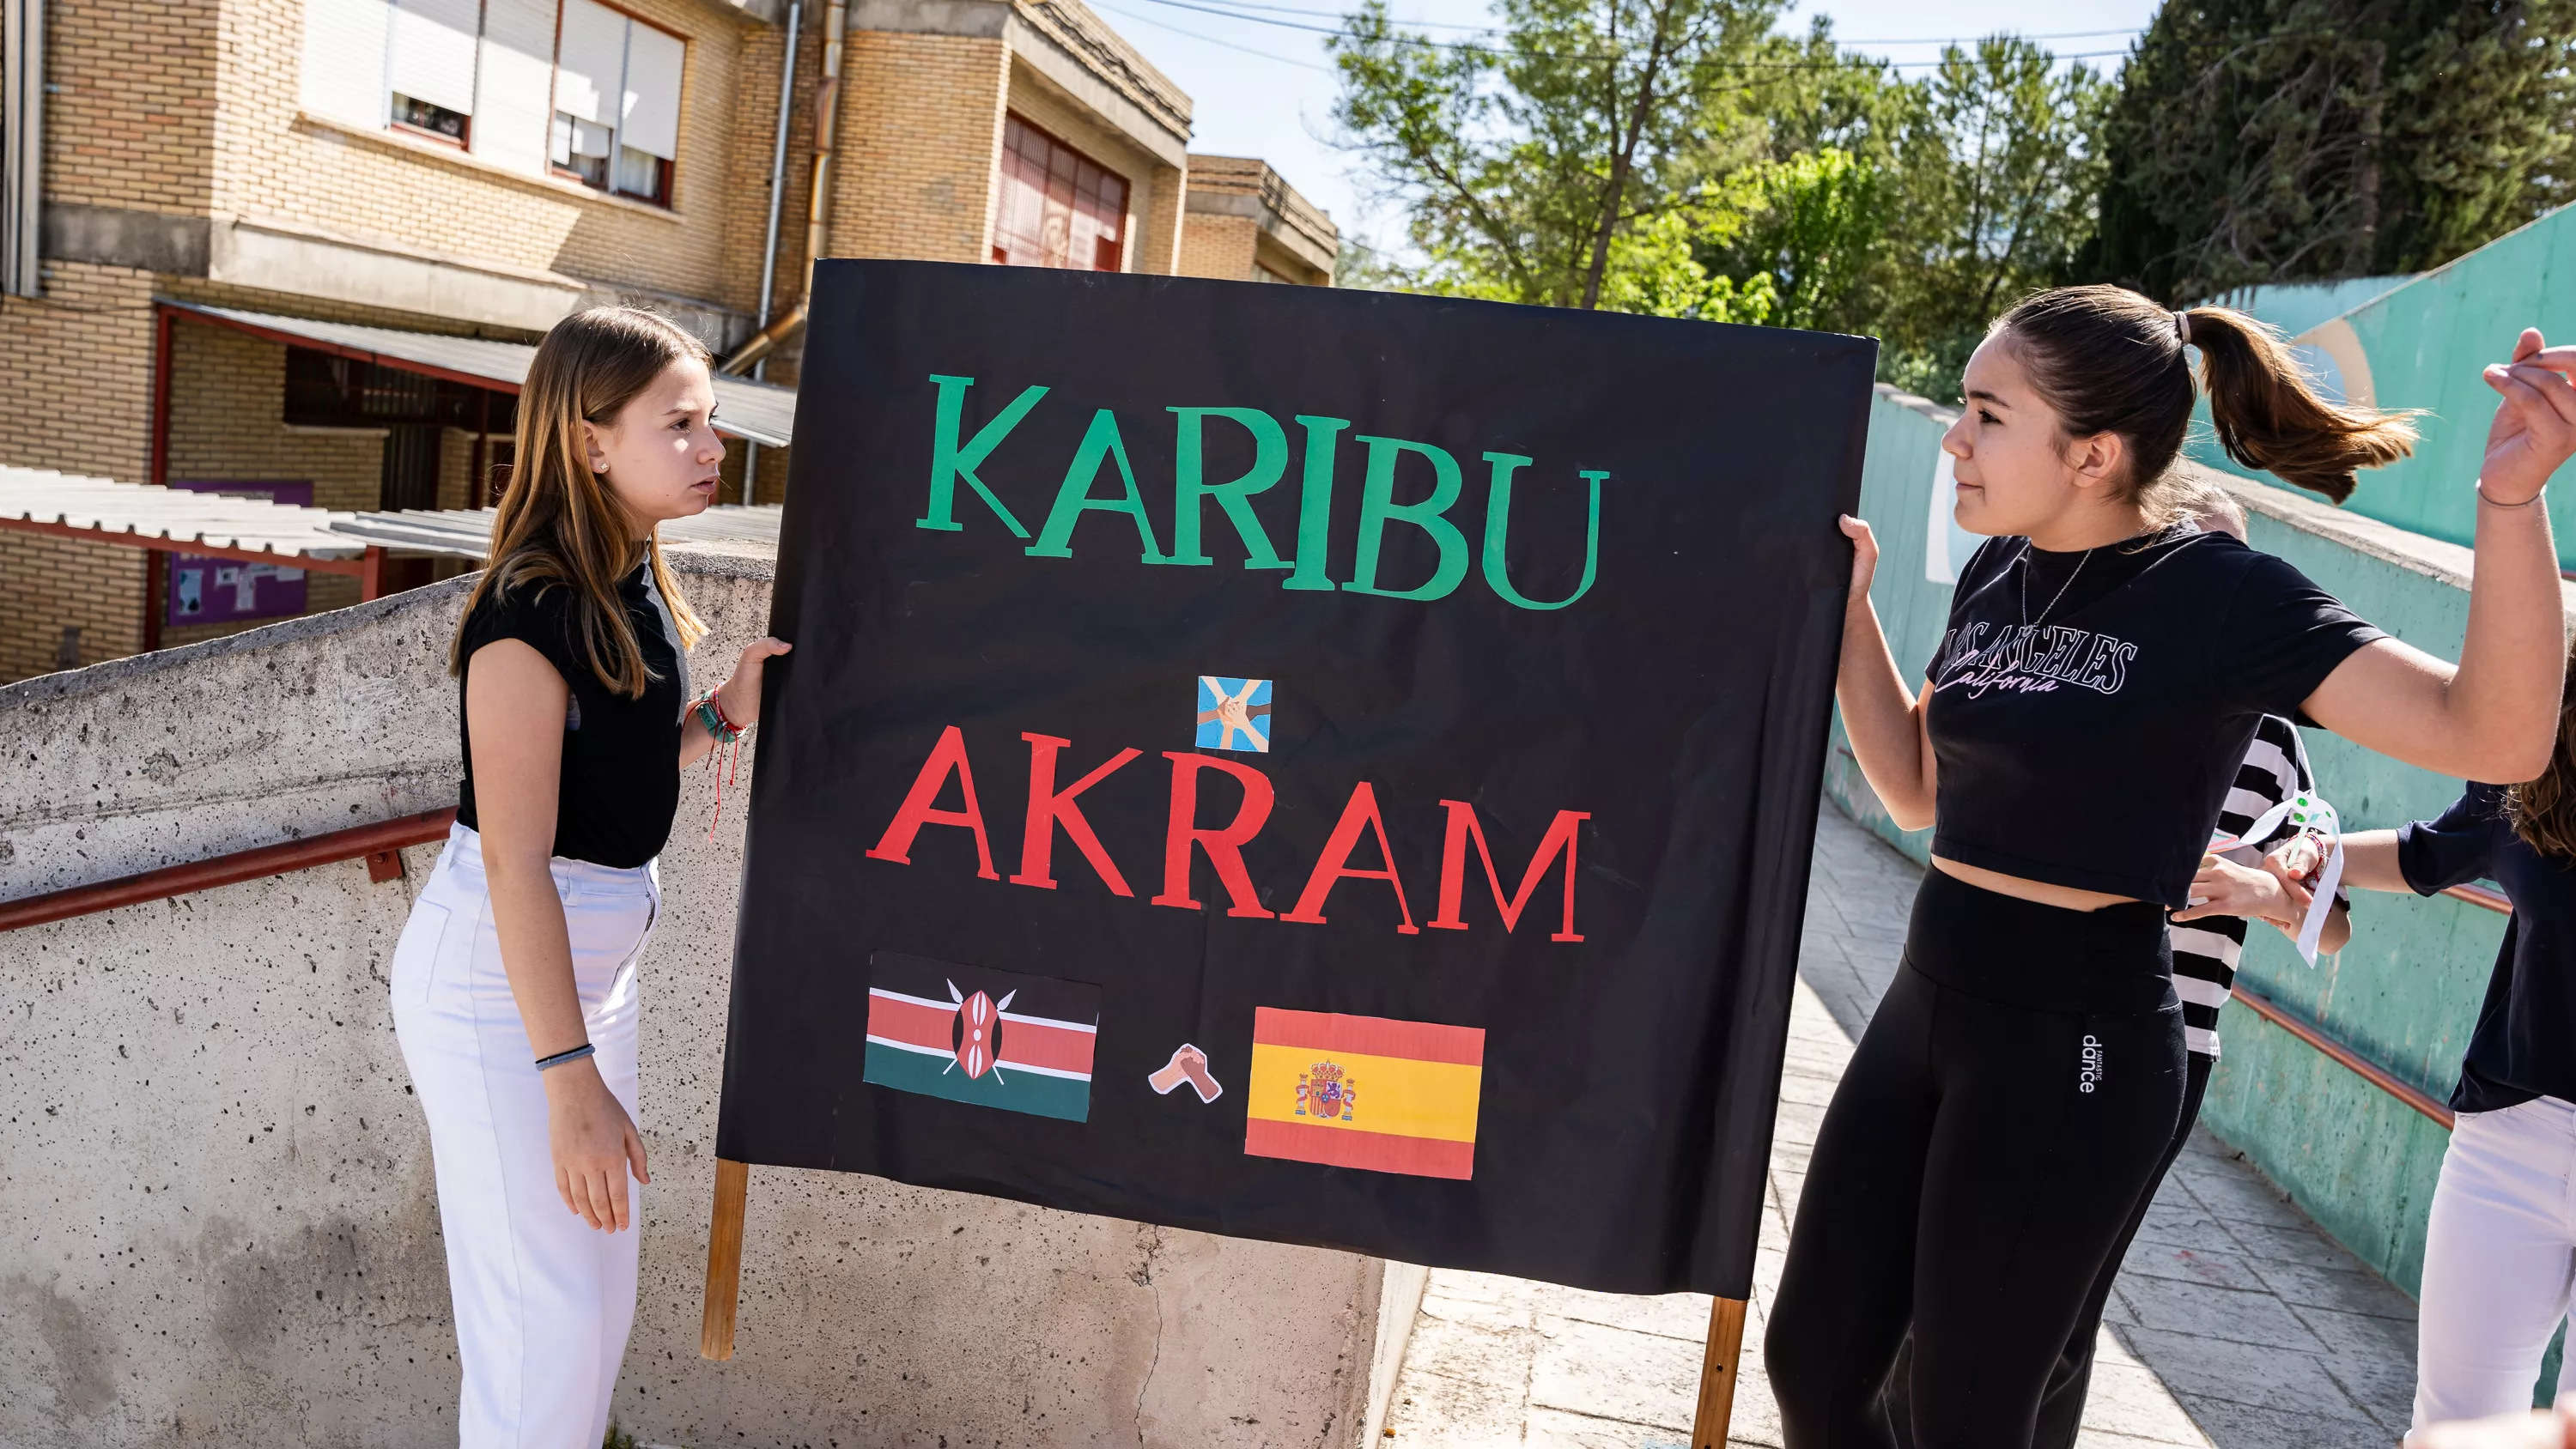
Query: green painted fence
(2423, 344)
(2404, 995)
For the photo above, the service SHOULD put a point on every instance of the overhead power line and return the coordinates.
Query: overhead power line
(1227, 6)
(1212, 40)
(1343, 32)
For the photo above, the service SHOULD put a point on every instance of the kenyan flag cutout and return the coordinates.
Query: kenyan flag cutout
(973, 1034)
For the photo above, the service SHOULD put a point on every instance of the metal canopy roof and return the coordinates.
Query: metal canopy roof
(467, 532)
(69, 502)
(754, 411)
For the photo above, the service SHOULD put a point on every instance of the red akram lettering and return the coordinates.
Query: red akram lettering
(1334, 864)
(1560, 836)
(1185, 839)
(1224, 846)
(1050, 807)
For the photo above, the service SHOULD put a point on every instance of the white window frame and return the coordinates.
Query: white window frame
(331, 95)
(614, 98)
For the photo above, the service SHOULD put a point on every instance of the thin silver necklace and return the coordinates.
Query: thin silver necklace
(2061, 588)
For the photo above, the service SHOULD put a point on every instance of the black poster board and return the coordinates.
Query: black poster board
(1326, 630)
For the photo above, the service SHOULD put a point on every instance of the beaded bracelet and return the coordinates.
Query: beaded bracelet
(561, 1058)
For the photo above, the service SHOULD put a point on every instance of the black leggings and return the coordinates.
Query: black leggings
(2061, 1404)
(2008, 1109)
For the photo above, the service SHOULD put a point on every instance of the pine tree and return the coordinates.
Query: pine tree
(2288, 140)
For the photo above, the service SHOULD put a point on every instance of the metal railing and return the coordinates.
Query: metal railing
(2361, 1066)
(376, 843)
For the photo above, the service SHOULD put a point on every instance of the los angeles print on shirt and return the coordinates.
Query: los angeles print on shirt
(2030, 659)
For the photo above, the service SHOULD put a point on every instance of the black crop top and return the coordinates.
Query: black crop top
(2093, 745)
(621, 757)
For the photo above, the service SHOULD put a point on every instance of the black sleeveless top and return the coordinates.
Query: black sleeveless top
(621, 757)
(2088, 738)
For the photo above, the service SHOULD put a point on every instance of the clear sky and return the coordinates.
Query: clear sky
(1266, 90)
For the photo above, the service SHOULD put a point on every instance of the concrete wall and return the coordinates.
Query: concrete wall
(2405, 994)
(216, 1210)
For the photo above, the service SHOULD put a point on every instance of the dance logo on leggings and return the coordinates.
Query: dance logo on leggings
(990, 1038)
(1364, 1091)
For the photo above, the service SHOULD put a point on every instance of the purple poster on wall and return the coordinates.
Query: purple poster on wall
(222, 590)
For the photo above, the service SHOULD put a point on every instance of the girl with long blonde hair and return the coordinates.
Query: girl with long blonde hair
(514, 984)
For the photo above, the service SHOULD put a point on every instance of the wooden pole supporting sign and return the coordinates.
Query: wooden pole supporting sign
(1717, 1374)
(724, 1260)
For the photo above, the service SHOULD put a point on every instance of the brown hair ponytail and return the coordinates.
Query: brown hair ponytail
(2543, 811)
(2269, 416)
(2111, 361)
(558, 525)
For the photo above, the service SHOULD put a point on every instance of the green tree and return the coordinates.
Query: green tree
(1523, 163)
(1762, 178)
(2281, 140)
(1816, 226)
(1655, 269)
(2010, 204)
(1917, 210)
(1357, 266)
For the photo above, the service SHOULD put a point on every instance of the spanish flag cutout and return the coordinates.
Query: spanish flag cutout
(1364, 1091)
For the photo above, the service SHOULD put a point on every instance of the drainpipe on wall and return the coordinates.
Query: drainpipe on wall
(769, 249)
(22, 143)
(818, 201)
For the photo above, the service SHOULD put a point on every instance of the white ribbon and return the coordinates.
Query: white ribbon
(2308, 811)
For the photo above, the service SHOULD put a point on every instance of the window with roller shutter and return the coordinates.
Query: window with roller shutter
(429, 66)
(616, 102)
(569, 88)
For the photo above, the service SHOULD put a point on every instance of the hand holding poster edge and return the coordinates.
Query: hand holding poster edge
(985, 484)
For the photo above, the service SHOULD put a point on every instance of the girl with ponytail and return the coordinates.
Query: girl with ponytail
(2077, 736)
(514, 983)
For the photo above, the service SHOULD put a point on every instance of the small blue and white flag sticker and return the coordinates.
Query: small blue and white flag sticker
(1234, 714)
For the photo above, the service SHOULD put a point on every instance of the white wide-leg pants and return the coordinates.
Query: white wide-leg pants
(543, 1300)
(2499, 1260)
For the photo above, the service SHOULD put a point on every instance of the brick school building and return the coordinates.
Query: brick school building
(201, 206)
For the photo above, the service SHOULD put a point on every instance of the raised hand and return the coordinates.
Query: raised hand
(2535, 426)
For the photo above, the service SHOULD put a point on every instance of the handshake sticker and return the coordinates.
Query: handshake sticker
(1190, 1065)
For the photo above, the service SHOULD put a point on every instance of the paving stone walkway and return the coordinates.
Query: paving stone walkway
(2235, 1323)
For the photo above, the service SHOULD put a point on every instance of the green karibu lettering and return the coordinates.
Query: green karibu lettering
(1389, 465)
(1100, 444)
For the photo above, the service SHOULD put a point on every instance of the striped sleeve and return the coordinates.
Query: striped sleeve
(2204, 966)
(2272, 771)
(2205, 952)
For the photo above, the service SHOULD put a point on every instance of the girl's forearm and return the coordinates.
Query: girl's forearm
(1882, 718)
(536, 954)
(2370, 861)
(2338, 932)
(2504, 701)
(694, 740)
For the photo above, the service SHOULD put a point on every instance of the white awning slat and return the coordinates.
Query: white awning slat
(69, 500)
(753, 411)
(467, 532)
